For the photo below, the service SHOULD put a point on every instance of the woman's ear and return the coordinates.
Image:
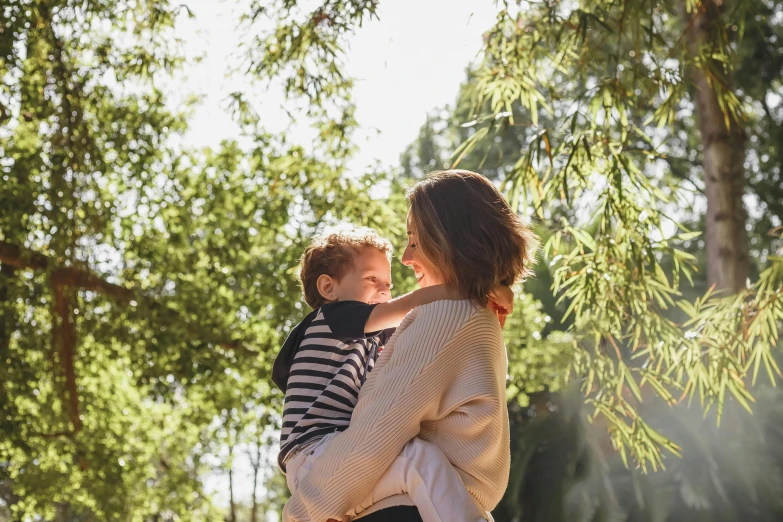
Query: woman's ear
(327, 287)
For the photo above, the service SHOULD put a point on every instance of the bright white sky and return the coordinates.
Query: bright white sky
(409, 62)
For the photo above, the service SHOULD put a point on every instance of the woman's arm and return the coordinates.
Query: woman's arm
(408, 388)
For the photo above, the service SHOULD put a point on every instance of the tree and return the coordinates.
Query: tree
(760, 53)
(141, 280)
(69, 395)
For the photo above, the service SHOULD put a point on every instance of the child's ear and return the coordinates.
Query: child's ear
(326, 287)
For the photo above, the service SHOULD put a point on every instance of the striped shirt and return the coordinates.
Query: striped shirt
(330, 358)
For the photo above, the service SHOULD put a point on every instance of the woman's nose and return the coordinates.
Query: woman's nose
(407, 256)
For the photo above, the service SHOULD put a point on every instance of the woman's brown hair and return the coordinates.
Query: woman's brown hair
(466, 229)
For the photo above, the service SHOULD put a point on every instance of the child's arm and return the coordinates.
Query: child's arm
(390, 314)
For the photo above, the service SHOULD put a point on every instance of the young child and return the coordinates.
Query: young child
(346, 279)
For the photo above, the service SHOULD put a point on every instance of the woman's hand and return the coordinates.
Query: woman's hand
(346, 518)
(501, 301)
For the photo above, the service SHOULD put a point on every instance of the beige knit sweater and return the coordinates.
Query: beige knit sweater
(442, 377)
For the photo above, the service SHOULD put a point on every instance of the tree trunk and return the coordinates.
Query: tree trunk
(7, 326)
(8, 412)
(723, 157)
(233, 506)
(256, 463)
(64, 342)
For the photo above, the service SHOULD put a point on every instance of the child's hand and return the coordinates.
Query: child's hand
(501, 301)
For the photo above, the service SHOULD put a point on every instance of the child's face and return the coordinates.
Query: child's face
(368, 281)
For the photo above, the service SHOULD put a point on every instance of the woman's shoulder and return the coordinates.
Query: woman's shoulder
(440, 326)
(449, 310)
(450, 325)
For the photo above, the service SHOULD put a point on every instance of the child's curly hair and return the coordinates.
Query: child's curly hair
(332, 253)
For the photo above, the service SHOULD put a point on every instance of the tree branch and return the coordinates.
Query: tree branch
(18, 257)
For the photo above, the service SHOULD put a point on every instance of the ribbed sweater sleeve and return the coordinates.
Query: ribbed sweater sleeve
(447, 362)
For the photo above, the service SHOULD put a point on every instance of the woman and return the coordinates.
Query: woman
(442, 376)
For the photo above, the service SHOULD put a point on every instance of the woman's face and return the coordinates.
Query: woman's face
(426, 273)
